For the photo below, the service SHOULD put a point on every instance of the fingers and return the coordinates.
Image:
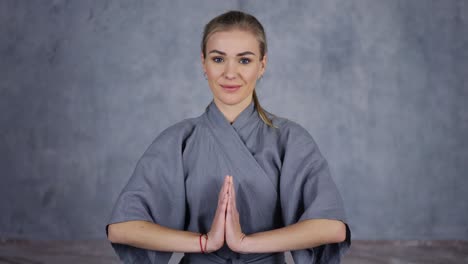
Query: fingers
(232, 192)
(218, 227)
(227, 184)
(225, 194)
(228, 207)
(224, 190)
(224, 200)
(231, 208)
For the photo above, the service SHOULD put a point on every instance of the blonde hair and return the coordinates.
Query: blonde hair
(243, 21)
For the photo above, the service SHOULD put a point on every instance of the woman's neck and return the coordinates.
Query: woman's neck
(231, 112)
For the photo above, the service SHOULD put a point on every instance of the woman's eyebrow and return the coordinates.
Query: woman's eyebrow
(245, 53)
(238, 54)
(217, 51)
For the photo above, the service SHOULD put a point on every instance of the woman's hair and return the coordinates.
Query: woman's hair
(239, 20)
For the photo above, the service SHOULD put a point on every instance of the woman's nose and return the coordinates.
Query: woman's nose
(230, 71)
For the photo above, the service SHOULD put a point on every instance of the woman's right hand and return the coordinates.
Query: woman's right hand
(216, 233)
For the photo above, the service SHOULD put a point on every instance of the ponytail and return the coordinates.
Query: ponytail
(261, 112)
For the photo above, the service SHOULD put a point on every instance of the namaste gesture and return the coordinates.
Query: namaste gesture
(226, 224)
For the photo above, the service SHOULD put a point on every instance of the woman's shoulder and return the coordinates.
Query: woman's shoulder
(181, 127)
(289, 128)
(295, 138)
(291, 132)
(175, 134)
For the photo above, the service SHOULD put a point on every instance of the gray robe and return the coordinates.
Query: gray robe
(279, 176)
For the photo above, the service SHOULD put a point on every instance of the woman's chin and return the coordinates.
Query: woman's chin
(231, 100)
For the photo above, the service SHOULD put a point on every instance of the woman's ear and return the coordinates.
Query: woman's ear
(263, 63)
(203, 61)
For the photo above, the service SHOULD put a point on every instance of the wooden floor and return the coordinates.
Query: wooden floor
(361, 252)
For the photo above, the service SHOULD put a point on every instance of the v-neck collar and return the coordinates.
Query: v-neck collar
(242, 119)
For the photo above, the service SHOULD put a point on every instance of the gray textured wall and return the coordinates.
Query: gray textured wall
(85, 86)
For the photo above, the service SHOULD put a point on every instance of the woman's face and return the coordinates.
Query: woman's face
(232, 66)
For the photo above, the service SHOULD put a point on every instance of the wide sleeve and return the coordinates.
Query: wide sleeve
(308, 191)
(154, 193)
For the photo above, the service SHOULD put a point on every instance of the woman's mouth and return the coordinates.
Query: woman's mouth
(230, 88)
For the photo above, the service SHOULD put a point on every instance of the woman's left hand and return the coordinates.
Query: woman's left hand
(234, 235)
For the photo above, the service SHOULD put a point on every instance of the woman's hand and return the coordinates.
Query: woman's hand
(216, 233)
(234, 235)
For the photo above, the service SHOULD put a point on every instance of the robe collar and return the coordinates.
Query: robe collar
(218, 118)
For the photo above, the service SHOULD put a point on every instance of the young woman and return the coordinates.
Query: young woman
(236, 184)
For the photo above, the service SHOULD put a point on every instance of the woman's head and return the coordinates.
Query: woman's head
(234, 58)
(235, 20)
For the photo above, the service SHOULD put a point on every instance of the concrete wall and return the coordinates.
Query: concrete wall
(85, 86)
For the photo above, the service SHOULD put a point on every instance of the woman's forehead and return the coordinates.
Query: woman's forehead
(233, 42)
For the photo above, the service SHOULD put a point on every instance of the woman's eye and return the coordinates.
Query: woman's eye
(244, 61)
(218, 59)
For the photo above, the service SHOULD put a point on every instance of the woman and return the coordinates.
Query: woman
(236, 184)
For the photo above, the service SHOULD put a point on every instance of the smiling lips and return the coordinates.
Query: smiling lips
(230, 88)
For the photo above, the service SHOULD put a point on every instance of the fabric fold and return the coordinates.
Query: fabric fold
(308, 192)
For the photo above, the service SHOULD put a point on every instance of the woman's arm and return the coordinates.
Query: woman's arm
(304, 234)
(152, 236)
(148, 235)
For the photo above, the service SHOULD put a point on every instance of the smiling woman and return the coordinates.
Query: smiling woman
(233, 65)
(236, 184)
